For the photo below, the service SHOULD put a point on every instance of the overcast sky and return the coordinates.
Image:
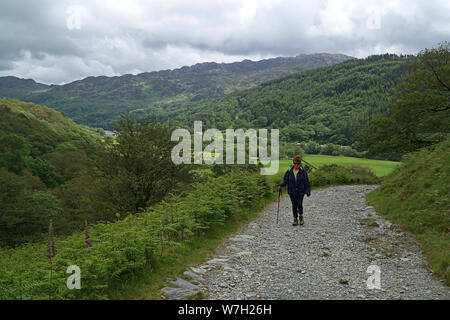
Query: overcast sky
(59, 41)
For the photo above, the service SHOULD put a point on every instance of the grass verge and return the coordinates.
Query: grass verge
(416, 196)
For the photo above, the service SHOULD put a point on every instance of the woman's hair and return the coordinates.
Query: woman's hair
(297, 158)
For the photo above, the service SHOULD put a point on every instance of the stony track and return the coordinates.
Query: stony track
(334, 255)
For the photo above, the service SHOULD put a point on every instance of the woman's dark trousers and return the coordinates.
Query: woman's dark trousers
(297, 205)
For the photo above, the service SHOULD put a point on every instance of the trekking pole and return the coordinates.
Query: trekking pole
(278, 210)
(309, 164)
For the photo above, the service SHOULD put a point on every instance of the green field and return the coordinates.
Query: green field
(380, 167)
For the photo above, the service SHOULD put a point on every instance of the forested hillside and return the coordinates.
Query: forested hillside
(41, 150)
(44, 130)
(54, 169)
(98, 101)
(420, 114)
(325, 105)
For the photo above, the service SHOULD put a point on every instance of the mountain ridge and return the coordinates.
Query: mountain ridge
(98, 101)
(329, 104)
(194, 66)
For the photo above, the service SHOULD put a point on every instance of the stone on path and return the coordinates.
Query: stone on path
(193, 276)
(217, 262)
(178, 293)
(185, 289)
(184, 284)
(198, 270)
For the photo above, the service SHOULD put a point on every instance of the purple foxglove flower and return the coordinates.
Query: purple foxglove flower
(51, 249)
(87, 236)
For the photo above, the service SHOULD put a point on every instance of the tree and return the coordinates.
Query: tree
(45, 171)
(420, 116)
(311, 147)
(330, 149)
(23, 214)
(13, 152)
(137, 165)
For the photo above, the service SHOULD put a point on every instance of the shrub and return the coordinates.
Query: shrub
(336, 175)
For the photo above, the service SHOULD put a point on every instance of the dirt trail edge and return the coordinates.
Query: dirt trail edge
(342, 247)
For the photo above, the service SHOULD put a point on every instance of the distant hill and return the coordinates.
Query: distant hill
(13, 87)
(325, 105)
(97, 101)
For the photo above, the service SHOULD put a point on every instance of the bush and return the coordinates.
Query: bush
(337, 175)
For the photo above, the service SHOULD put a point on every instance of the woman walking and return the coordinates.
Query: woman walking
(297, 180)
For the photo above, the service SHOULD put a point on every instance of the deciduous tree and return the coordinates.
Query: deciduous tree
(137, 165)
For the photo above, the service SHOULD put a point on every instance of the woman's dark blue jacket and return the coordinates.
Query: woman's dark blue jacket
(302, 187)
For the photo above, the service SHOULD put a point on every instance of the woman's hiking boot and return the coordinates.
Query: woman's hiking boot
(295, 222)
(301, 220)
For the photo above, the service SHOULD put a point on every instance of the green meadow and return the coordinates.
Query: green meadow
(380, 167)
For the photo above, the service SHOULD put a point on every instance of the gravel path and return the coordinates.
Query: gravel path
(326, 258)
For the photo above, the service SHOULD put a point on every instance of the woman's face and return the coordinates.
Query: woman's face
(296, 164)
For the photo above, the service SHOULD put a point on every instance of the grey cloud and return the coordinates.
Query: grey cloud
(136, 36)
(33, 26)
(6, 65)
